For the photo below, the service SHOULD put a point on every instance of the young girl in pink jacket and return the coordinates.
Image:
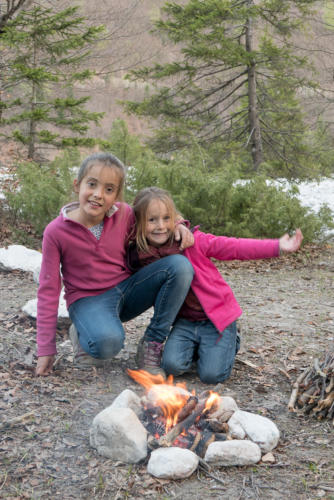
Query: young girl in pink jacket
(205, 328)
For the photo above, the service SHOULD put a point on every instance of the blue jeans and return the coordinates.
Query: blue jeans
(215, 353)
(98, 319)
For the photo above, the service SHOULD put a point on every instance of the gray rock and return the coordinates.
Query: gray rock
(234, 452)
(259, 429)
(118, 434)
(172, 463)
(128, 399)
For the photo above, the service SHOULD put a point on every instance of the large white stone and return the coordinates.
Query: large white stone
(128, 399)
(234, 452)
(226, 407)
(259, 429)
(172, 463)
(118, 434)
(235, 430)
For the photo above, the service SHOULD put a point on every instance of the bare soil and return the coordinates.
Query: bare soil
(288, 320)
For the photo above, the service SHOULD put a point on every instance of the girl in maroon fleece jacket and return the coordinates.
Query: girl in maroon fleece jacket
(84, 247)
(205, 327)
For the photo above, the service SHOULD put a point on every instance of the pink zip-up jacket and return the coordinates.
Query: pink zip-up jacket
(214, 294)
(88, 266)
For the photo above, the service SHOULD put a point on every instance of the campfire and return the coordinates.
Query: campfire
(175, 417)
(175, 430)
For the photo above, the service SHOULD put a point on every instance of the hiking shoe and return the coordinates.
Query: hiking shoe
(81, 359)
(148, 357)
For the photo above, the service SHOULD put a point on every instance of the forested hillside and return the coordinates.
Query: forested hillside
(131, 45)
(231, 90)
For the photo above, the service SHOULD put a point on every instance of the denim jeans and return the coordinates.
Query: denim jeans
(98, 319)
(215, 354)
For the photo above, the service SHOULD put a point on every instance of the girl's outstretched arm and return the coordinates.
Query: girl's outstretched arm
(44, 365)
(291, 243)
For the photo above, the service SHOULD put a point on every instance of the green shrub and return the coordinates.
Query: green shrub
(41, 190)
(263, 210)
(214, 199)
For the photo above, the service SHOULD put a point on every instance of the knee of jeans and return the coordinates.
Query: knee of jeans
(105, 347)
(172, 367)
(209, 376)
(182, 266)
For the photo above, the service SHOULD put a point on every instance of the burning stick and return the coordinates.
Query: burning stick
(183, 426)
(187, 408)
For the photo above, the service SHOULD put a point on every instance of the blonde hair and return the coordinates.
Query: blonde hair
(107, 160)
(140, 207)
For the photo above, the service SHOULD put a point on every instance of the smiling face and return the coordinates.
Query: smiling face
(159, 224)
(98, 191)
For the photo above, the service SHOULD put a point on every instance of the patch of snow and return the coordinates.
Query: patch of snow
(30, 307)
(20, 257)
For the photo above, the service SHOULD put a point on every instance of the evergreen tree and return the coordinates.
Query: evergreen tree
(9, 9)
(234, 83)
(46, 49)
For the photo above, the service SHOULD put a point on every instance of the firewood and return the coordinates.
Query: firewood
(187, 408)
(330, 385)
(313, 391)
(207, 437)
(220, 436)
(217, 426)
(183, 426)
(295, 386)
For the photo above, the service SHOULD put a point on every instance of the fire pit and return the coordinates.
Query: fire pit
(168, 417)
(174, 417)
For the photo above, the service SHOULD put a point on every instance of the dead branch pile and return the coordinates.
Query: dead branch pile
(313, 391)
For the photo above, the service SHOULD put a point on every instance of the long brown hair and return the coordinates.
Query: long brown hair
(140, 207)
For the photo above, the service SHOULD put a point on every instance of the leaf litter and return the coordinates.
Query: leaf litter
(288, 319)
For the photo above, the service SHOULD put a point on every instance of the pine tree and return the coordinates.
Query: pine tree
(234, 83)
(45, 51)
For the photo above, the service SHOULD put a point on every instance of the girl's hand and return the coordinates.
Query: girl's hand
(44, 365)
(291, 243)
(182, 233)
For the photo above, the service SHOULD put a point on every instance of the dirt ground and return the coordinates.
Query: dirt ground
(288, 320)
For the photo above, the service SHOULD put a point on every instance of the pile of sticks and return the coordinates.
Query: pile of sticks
(313, 391)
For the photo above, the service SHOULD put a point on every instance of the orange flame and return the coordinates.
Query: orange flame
(212, 401)
(164, 393)
(170, 397)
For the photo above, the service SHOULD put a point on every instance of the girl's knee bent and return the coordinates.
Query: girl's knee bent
(175, 367)
(105, 347)
(182, 265)
(209, 376)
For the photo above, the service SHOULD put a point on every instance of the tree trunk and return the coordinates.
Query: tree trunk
(32, 121)
(255, 140)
